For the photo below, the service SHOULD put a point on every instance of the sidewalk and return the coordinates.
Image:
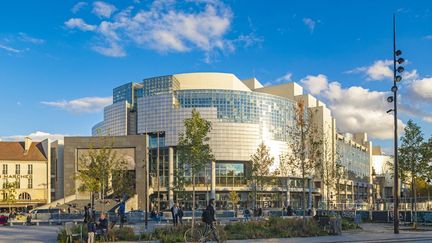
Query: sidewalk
(369, 233)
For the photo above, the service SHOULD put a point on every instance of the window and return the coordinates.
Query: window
(30, 183)
(5, 195)
(18, 183)
(17, 169)
(4, 183)
(24, 196)
(5, 169)
(30, 169)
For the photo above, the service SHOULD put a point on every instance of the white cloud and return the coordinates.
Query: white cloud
(286, 78)
(315, 84)
(78, 6)
(379, 70)
(35, 136)
(79, 24)
(356, 109)
(10, 49)
(310, 23)
(81, 105)
(26, 38)
(103, 9)
(428, 37)
(422, 88)
(164, 28)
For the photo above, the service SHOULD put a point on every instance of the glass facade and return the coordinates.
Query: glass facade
(230, 174)
(355, 159)
(160, 85)
(123, 93)
(275, 115)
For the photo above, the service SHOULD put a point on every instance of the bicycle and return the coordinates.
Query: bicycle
(204, 233)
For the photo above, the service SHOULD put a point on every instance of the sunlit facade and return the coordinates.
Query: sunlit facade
(243, 114)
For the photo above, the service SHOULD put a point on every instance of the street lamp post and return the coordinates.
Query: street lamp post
(428, 190)
(396, 78)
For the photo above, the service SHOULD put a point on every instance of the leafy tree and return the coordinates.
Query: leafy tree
(412, 160)
(193, 150)
(261, 162)
(327, 168)
(9, 193)
(284, 171)
(234, 199)
(101, 167)
(305, 145)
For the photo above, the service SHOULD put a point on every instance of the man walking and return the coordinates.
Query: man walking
(174, 212)
(210, 219)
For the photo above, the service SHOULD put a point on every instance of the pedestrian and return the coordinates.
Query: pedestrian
(121, 213)
(209, 218)
(180, 215)
(86, 215)
(91, 229)
(174, 213)
(102, 224)
(28, 219)
(69, 209)
(289, 211)
(247, 214)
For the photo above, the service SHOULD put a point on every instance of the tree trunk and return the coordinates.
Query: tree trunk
(193, 201)
(415, 205)
(304, 195)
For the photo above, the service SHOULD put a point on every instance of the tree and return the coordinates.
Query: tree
(327, 168)
(412, 160)
(9, 193)
(284, 171)
(234, 199)
(193, 150)
(305, 145)
(261, 162)
(96, 170)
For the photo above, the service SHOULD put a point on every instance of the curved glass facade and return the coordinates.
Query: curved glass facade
(274, 114)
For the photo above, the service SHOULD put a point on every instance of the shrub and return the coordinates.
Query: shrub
(121, 234)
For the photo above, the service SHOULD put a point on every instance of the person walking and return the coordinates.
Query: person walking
(210, 219)
(102, 225)
(289, 211)
(122, 213)
(174, 213)
(180, 215)
(91, 229)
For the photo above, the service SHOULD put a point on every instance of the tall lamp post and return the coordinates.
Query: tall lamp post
(397, 70)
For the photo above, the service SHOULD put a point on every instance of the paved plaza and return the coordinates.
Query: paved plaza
(370, 233)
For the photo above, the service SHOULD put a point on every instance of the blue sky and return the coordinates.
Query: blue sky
(60, 61)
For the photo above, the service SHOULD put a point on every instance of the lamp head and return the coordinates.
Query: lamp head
(398, 52)
(390, 99)
(394, 89)
(400, 69)
(398, 78)
(400, 60)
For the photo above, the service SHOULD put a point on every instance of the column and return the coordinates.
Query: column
(171, 176)
(310, 192)
(213, 180)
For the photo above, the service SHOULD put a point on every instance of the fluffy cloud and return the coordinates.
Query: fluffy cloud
(103, 9)
(422, 88)
(81, 105)
(164, 28)
(78, 6)
(310, 23)
(36, 136)
(315, 84)
(79, 24)
(356, 109)
(379, 70)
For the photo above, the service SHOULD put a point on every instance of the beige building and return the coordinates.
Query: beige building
(26, 164)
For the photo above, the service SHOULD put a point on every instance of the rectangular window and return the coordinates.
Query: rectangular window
(4, 183)
(30, 183)
(18, 183)
(17, 169)
(30, 170)
(5, 169)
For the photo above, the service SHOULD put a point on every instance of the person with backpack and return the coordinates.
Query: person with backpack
(209, 218)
